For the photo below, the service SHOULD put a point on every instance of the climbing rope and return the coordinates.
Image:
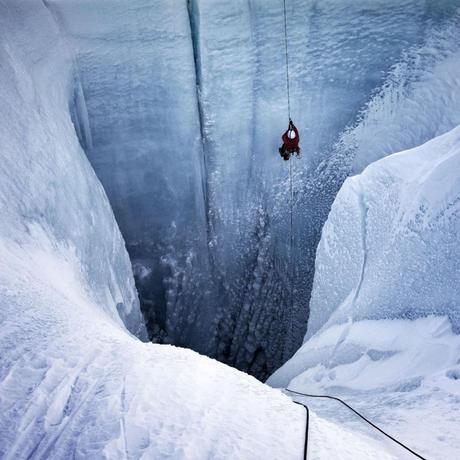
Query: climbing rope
(291, 195)
(358, 414)
(291, 199)
(291, 249)
(287, 60)
(292, 279)
(307, 423)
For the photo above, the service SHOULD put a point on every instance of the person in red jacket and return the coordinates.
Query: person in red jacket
(290, 142)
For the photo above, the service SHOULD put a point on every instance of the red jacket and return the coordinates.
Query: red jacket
(291, 144)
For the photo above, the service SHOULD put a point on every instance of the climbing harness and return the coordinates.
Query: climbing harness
(334, 398)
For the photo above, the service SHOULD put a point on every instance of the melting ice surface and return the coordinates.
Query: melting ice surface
(180, 106)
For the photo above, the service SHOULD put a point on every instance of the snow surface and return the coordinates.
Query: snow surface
(385, 308)
(74, 382)
(403, 375)
(73, 388)
(181, 107)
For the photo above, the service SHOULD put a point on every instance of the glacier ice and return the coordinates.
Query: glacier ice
(417, 101)
(51, 200)
(206, 228)
(389, 247)
(385, 317)
(136, 95)
(182, 107)
(75, 382)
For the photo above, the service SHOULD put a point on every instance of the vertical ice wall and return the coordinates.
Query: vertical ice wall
(388, 248)
(340, 54)
(186, 101)
(136, 64)
(419, 99)
(54, 211)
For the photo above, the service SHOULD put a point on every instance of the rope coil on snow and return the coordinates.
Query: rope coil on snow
(359, 415)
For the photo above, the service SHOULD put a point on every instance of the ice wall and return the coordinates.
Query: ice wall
(340, 53)
(417, 101)
(74, 383)
(385, 318)
(389, 247)
(51, 201)
(186, 102)
(136, 66)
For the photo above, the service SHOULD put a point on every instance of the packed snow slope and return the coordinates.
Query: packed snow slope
(181, 108)
(75, 382)
(385, 309)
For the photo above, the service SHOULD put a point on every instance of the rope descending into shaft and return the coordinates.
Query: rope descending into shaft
(287, 60)
(291, 243)
(360, 416)
(291, 199)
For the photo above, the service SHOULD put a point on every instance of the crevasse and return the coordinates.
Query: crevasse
(186, 102)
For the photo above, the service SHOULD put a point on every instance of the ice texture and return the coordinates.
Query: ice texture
(389, 248)
(385, 307)
(74, 381)
(51, 202)
(417, 101)
(136, 93)
(181, 109)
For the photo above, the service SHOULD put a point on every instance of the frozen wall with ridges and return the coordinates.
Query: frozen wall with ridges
(51, 200)
(136, 66)
(389, 247)
(205, 210)
(384, 324)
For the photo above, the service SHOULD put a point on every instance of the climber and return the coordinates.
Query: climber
(290, 142)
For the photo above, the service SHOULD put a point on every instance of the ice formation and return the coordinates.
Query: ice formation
(75, 382)
(176, 105)
(52, 204)
(136, 95)
(180, 106)
(385, 316)
(389, 247)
